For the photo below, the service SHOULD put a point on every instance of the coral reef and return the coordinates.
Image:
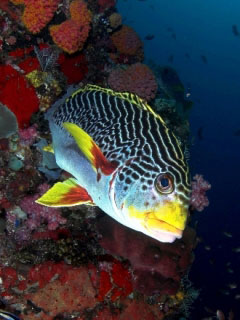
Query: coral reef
(38, 13)
(157, 267)
(19, 96)
(73, 263)
(71, 34)
(106, 4)
(115, 20)
(137, 78)
(74, 68)
(127, 41)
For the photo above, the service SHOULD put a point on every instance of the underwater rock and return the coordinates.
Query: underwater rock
(158, 267)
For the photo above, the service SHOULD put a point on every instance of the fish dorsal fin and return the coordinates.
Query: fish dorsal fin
(65, 194)
(127, 96)
(90, 149)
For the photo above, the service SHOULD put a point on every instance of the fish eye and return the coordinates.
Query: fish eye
(164, 183)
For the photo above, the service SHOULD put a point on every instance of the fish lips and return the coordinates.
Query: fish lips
(154, 225)
(161, 230)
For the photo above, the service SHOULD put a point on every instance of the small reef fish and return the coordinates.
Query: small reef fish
(235, 30)
(200, 133)
(4, 315)
(220, 315)
(149, 37)
(232, 285)
(123, 159)
(227, 234)
(230, 270)
(204, 59)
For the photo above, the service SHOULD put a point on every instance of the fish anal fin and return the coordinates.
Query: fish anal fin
(65, 194)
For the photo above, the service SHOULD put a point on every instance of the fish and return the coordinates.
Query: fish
(204, 59)
(227, 234)
(230, 270)
(4, 315)
(220, 315)
(235, 30)
(187, 55)
(149, 37)
(123, 158)
(174, 36)
(232, 285)
(200, 133)
(225, 292)
(237, 249)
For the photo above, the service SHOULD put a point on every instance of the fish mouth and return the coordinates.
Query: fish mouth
(162, 231)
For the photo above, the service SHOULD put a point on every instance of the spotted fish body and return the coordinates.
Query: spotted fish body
(125, 159)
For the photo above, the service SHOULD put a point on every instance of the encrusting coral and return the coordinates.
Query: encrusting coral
(138, 78)
(37, 13)
(71, 34)
(127, 41)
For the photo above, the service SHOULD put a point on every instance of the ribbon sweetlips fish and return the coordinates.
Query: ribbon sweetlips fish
(123, 159)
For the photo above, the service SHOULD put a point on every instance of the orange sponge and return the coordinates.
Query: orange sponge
(72, 34)
(37, 13)
(127, 41)
(80, 13)
(67, 36)
(17, 1)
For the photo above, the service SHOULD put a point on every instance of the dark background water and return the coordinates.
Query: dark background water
(204, 28)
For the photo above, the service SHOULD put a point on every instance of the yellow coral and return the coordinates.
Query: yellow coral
(115, 20)
(180, 295)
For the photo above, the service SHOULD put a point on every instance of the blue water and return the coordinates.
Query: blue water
(204, 27)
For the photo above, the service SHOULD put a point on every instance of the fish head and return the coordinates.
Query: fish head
(158, 208)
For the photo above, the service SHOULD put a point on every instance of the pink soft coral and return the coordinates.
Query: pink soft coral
(199, 187)
(38, 214)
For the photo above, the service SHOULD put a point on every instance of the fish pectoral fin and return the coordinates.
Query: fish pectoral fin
(65, 194)
(48, 148)
(90, 149)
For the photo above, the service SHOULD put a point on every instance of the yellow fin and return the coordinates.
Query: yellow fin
(48, 148)
(90, 149)
(65, 194)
